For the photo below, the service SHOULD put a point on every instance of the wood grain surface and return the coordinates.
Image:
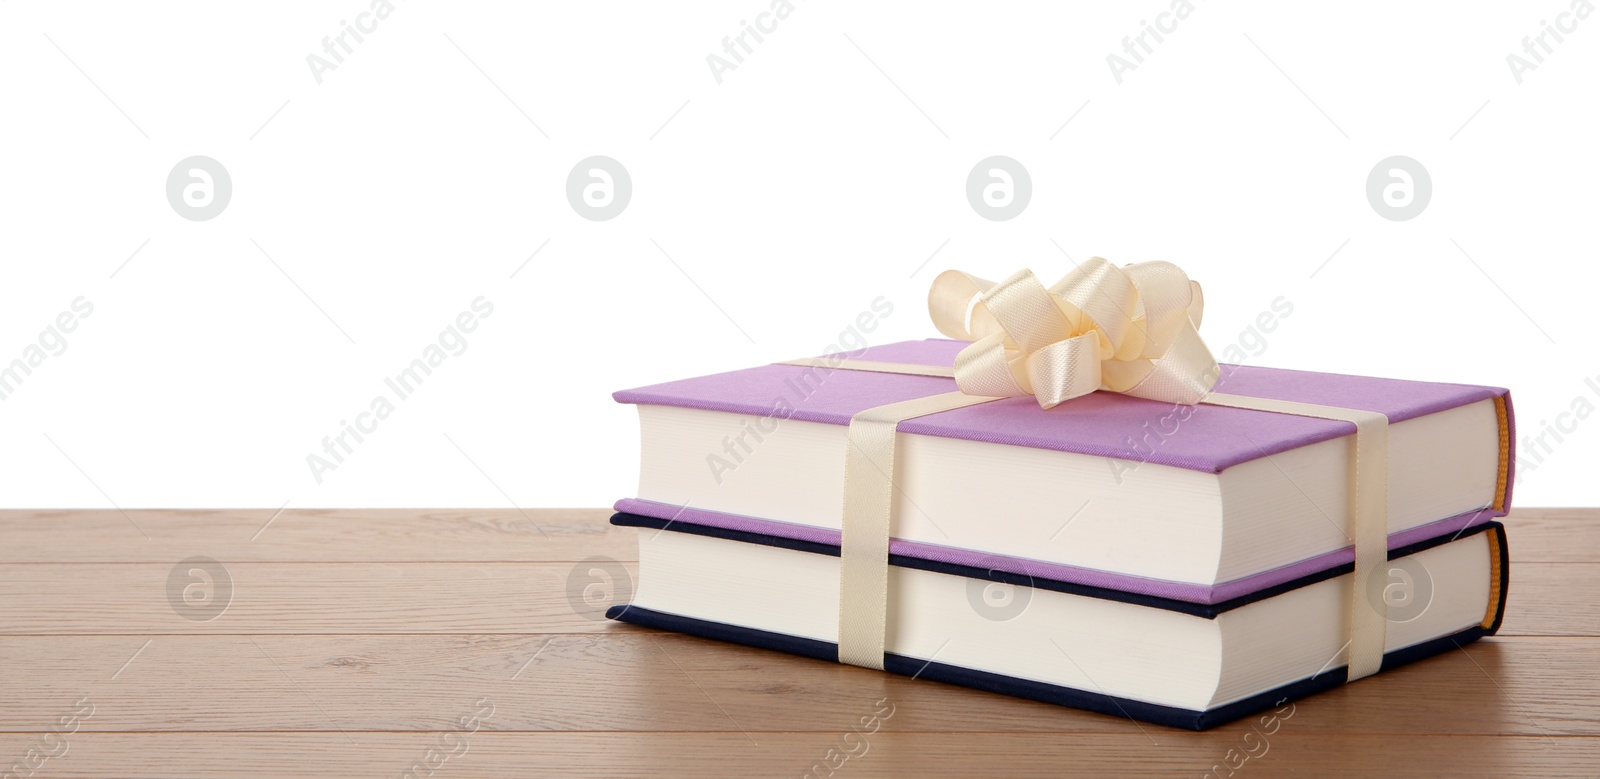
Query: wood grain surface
(470, 643)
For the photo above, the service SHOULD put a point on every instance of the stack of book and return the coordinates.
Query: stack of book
(1185, 565)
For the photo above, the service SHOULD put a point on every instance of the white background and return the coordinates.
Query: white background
(788, 197)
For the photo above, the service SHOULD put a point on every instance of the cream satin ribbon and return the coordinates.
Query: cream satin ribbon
(1369, 517)
(1131, 330)
(868, 505)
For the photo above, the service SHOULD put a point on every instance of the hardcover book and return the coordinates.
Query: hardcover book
(1199, 503)
(1156, 659)
(1180, 564)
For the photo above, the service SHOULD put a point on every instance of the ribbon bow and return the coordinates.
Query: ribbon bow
(1131, 330)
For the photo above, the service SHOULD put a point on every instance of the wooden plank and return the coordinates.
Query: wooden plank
(313, 535)
(1554, 535)
(1553, 599)
(139, 598)
(1549, 599)
(648, 755)
(357, 640)
(476, 535)
(637, 680)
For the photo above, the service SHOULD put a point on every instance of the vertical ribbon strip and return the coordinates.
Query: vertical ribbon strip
(868, 508)
(1368, 509)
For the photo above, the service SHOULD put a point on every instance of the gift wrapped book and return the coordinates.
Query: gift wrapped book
(1072, 502)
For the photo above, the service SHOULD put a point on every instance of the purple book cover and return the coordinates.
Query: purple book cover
(1102, 424)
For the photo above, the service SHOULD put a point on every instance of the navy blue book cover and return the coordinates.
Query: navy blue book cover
(1058, 694)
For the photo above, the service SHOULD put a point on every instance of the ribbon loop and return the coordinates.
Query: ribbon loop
(1132, 329)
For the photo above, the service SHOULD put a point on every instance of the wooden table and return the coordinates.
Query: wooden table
(460, 643)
